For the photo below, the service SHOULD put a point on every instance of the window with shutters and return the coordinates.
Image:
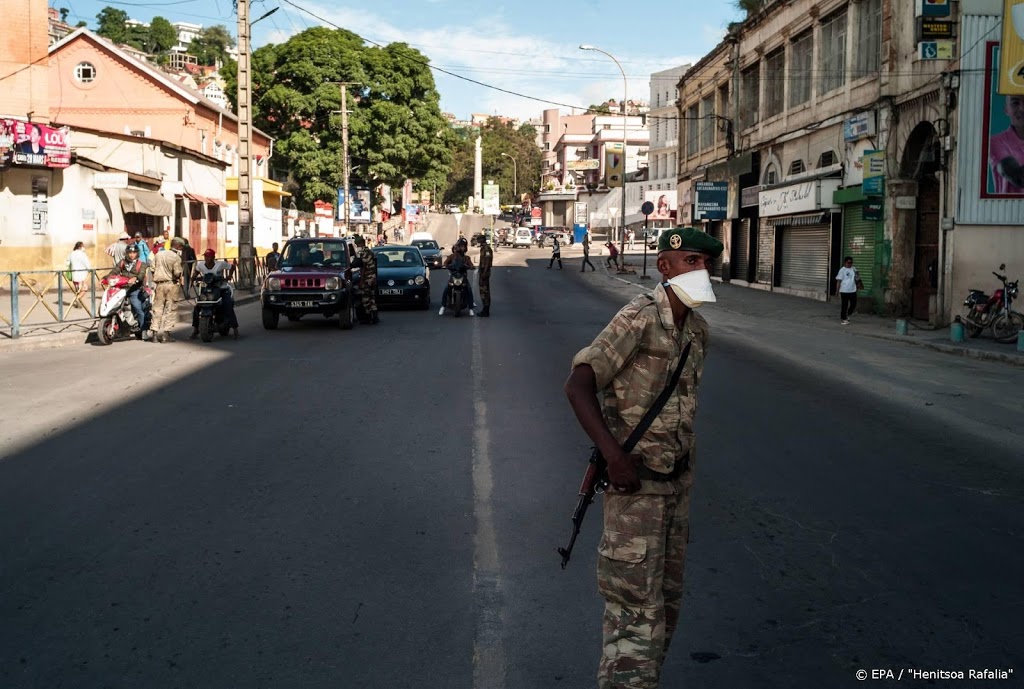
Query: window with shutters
(869, 39)
(723, 110)
(707, 122)
(796, 167)
(800, 55)
(833, 53)
(771, 174)
(693, 124)
(750, 96)
(775, 82)
(827, 159)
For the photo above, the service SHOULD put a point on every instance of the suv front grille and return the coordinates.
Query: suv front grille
(302, 283)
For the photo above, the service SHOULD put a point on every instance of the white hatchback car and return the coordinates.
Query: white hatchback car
(524, 238)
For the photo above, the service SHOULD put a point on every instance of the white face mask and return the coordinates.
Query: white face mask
(693, 288)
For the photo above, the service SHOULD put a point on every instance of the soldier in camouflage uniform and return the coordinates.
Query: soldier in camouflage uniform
(367, 264)
(614, 381)
(484, 273)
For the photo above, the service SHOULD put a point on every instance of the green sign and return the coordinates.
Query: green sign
(874, 209)
(874, 173)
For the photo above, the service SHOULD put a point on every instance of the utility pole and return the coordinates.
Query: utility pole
(346, 190)
(246, 251)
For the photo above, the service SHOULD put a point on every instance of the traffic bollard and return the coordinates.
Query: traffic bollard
(956, 331)
(901, 326)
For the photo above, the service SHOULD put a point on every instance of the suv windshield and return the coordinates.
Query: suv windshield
(314, 254)
(424, 244)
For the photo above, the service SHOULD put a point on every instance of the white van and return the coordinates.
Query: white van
(420, 235)
(524, 238)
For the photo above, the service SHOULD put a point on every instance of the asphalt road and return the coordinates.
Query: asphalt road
(380, 508)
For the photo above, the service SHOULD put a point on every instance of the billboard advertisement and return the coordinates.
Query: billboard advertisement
(614, 166)
(491, 204)
(1011, 62)
(360, 207)
(664, 203)
(30, 143)
(1002, 136)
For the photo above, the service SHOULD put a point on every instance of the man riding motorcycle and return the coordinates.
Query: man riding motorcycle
(222, 269)
(459, 262)
(133, 268)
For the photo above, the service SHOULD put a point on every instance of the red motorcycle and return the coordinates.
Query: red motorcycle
(984, 311)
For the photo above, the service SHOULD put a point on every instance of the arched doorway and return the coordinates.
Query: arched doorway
(922, 160)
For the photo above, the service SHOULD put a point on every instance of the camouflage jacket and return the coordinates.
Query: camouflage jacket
(367, 264)
(633, 359)
(486, 260)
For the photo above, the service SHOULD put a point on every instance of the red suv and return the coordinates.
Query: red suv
(313, 277)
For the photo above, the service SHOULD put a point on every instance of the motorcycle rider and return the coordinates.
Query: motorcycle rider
(224, 270)
(459, 262)
(133, 268)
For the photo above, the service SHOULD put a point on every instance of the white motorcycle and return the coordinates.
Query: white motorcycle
(117, 320)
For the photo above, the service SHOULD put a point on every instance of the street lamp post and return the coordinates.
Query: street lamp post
(515, 176)
(625, 97)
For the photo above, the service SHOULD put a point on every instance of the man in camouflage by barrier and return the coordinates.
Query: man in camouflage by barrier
(484, 273)
(367, 264)
(646, 507)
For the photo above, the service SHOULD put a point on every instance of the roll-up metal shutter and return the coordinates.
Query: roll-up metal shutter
(804, 257)
(558, 214)
(716, 230)
(859, 242)
(766, 253)
(741, 251)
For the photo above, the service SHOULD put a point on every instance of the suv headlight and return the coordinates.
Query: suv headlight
(419, 280)
(273, 284)
(332, 284)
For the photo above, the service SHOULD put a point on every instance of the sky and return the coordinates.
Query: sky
(529, 47)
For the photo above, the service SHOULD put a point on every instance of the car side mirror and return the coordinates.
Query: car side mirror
(440, 248)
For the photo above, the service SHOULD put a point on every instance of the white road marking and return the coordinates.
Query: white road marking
(488, 588)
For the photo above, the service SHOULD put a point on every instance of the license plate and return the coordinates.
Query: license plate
(301, 304)
(391, 292)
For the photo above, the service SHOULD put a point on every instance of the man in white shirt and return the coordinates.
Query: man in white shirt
(847, 283)
(225, 270)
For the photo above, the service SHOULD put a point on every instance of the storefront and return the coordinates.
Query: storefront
(796, 237)
(744, 237)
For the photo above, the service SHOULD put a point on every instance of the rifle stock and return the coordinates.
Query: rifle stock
(595, 479)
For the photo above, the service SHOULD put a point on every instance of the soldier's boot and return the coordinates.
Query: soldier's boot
(486, 311)
(167, 337)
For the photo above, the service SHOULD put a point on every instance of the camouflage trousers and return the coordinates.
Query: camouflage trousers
(369, 296)
(640, 575)
(485, 291)
(165, 306)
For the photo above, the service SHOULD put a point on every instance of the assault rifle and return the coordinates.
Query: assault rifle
(594, 481)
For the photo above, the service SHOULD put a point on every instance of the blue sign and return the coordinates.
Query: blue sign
(579, 231)
(712, 200)
(933, 8)
(873, 186)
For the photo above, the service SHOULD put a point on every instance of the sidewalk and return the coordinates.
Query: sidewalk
(54, 334)
(806, 313)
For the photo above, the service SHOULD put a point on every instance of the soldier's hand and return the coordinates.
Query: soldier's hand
(622, 472)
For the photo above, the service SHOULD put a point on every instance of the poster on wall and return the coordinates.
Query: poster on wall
(31, 143)
(40, 198)
(664, 203)
(1002, 136)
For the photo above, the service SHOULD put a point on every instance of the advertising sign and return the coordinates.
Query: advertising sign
(797, 198)
(932, 8)
(491, 205)
(614, 165)
(1002, 135)
(360, 206)
(664, 203)
(859, 126)
(592, 164)
(40, 199)
(110, 180)
(712, 200)
(1011, 62)
(874, 173)
(581, 213)
(935, 29)
(936, 50)
(874, 209)
(30, 143)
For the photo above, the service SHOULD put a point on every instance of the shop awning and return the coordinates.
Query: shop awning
(146, 202)
(799, 220)
(205, 200)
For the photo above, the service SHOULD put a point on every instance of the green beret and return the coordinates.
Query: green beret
(689, 239)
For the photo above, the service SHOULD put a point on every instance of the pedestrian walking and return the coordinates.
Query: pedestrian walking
(188, 264)
(586, 254)
(556, 252)
(79, 267)
(847, 283)
(630, 235)
(484, 274)
(117, 249)
(367, 264)
(654, 338)
(145, 253)
(167, 274)
(613, 255)
(273, 258)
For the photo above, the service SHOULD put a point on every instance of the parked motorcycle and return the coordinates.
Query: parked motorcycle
(117, 320)
(456, 292)
(210, 305)
(984, 311)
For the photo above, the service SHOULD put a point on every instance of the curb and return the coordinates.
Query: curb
(32, 343)
(979, 354)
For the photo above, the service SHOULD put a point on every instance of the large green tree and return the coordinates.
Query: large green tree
(396, 130)
(210, 47)
(497, 138)
(162, 35)
(110, 23)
